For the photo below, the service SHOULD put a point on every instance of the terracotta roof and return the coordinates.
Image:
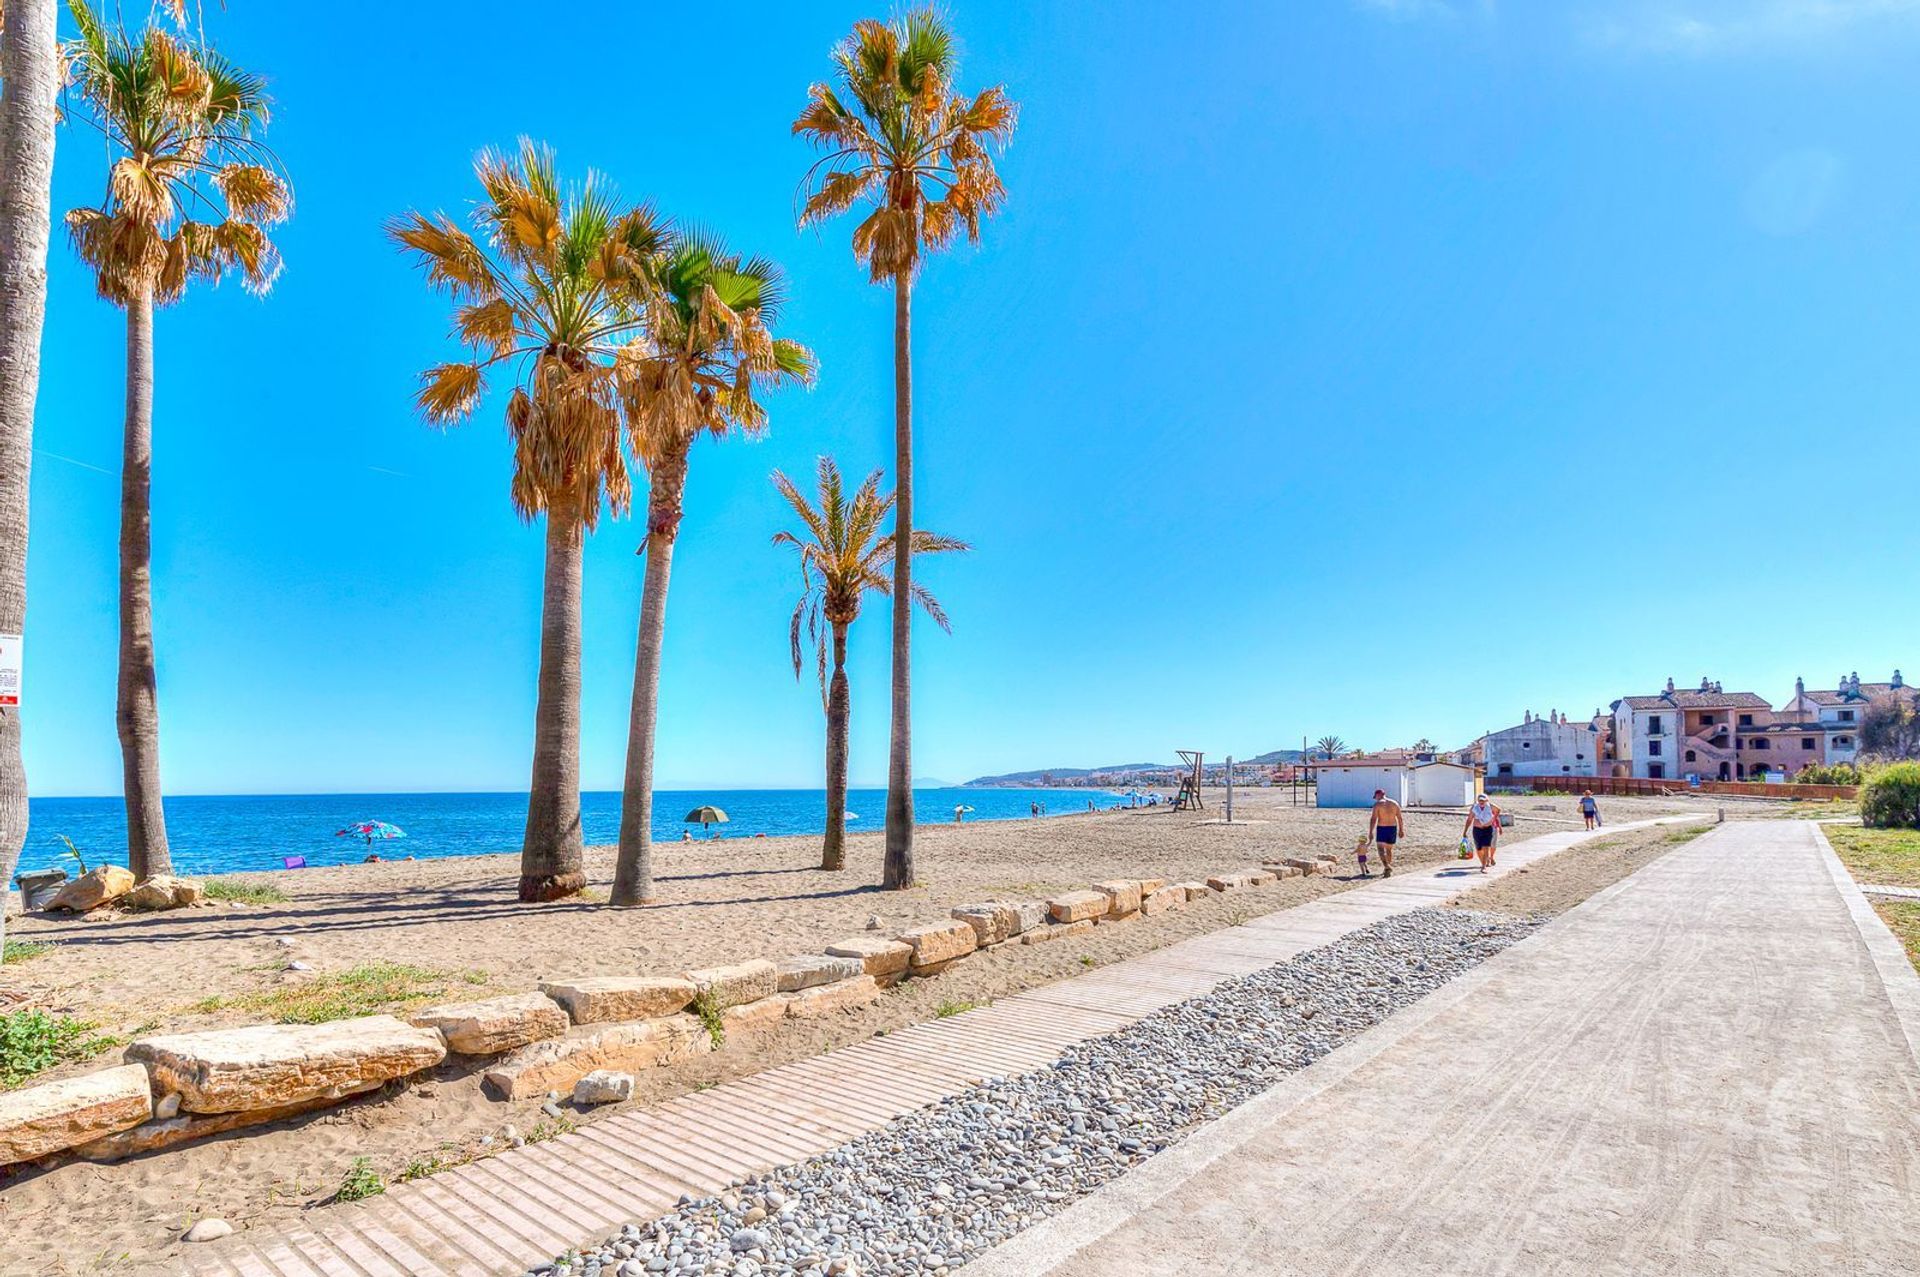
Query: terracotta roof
(1867, 692)
(1698, 700)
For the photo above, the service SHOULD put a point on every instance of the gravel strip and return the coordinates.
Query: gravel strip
(935, 1188)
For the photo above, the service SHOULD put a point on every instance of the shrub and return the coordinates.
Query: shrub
(361, 1182)
(1829, 774)
(1891, 797)
(21, 950)
(246, 892)
(32, 1042)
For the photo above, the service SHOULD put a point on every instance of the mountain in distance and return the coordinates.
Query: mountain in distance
(1124, 773)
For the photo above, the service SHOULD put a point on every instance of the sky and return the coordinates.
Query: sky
(1382, 368)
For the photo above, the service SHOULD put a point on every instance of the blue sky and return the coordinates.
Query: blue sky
(1376, 368)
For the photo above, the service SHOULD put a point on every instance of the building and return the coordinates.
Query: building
(1677, 734)
(1549, 746)
(1412, 780)
(1831, 719)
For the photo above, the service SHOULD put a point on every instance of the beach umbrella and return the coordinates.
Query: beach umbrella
(370, 830)
(706, 816)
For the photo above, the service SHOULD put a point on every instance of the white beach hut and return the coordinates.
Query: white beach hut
(1409, 781)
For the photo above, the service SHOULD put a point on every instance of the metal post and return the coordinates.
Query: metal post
(1229, 789)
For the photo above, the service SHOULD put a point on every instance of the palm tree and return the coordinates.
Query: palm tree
(180, 124)
(710, 348)
(899, 141)
(553, 286)
(29, 78)
(1330, 746)
(842, 557)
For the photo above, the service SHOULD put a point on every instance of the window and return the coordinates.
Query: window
(1806, 742)
(1526, 744)
(1655, 725)
(1846, 716)
(1656, 772)
(1653, 749)
(1746, 720)
(1582, 757)
(1843, 742)
(1690, 757)
(1706, 720)
(1761, 742)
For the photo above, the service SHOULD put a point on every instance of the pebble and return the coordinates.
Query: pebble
(924, 1194)
(208, 1230)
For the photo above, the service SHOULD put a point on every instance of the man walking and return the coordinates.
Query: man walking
(1483, 822)
(1383, 829)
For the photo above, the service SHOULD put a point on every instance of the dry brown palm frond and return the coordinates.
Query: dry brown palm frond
(448, 393)
(254, 193)
(453, 260)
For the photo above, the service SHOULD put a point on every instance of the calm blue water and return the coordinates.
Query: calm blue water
(225, 835)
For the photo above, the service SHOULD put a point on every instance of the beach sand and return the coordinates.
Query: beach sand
(719, 901)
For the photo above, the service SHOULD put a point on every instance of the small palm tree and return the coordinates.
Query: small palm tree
(180, 124)
(1330, 746)
(843, 556)
(710, 350)
(554, 287)
(901, 143)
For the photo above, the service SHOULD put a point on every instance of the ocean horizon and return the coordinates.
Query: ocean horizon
(242, 833)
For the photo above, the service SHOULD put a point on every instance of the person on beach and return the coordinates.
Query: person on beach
(1590, 809)
(1383, 829)
(1483, 823)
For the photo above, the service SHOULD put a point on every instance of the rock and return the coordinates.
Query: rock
(878, 956)
(603, 1086)
(1164, 899)
(93, 889)
(493, 1025)
(558, 1063)
(1259, 878)
(937, 944)
(1194, 890)
(169, 1127)
(166, 1106)
(1303, 864)
(1230, 882)
(264, 1065)
(1283, 871)
(809, 970)
(164, 891)
(751, 1017)
(1150, 885)
(731, 986)
(1033, 915)
(874, 923)
(1073, 906)
(608, 999)
(825, 999)
(297, 965)
(209, 1229)
(54, 1116)
(1123, 897)
(992, 923)
(1060, 930)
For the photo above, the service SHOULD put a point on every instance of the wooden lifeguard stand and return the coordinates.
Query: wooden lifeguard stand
(1188, 799)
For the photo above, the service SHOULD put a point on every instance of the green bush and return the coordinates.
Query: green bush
(1891, 797)
(1829, 774)
(32, 1042)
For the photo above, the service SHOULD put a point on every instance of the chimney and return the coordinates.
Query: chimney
(1898, 682)
(1669, 686)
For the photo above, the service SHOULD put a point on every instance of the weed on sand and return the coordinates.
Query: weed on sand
(367, 989)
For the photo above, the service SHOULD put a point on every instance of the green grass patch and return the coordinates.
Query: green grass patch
(1885, 857)
(21, 950)
(952, 1007)
(368, 989)
(250, 893)
(1903, 919)
(361, 1182)
(31, 1042)
(544, 1130)
(1685, 833)
(709, 1016)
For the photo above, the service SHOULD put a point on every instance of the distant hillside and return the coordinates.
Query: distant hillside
(1125, 773)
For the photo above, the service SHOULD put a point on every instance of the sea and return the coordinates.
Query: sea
(215, 835)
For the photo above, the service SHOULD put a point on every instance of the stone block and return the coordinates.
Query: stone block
(1163, 900)
(937, 944)
(1304, 864)
(825, 999)
(603, 1086)
(880, 956)
(735, 985)
(170, 1128)
(992, 923)
(753, 1017)
(163, 891)
(609, 999)
(54, 1116)
(1230, 882)
(266, 1065)
(93, 889)
(1150, 885)
(1194, 890)
(1060, 930)
(557, 1063)
(1077, 906)
(809, 970)
(1260, 878)
(492, 1025)
(1033, 915)
(1123, 896)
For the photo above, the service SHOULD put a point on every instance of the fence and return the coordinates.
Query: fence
(1674, 788)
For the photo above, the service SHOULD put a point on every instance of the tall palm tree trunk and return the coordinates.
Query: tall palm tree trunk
(137, 708)
(833, 854)
(551, 863)
(666, 494)
(29, 76)
(898, 873)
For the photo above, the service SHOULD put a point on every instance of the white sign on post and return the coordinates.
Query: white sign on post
(10, 649)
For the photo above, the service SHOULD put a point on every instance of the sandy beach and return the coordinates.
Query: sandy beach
(455, 923)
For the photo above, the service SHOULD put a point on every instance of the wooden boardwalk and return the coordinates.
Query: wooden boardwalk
(506, 1213)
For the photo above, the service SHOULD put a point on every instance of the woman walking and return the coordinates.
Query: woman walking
(1483, 823)
(1589, 809)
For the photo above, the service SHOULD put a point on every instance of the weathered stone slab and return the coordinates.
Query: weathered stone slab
(753, 1017)
(55, 1116)
(603, 1086)
(265, 1065)
(1283, 871)
(1260, 878)
(1059, 930)
(992, 923)
(557, 1063)
(1194, 890)
(809, 970)
(936, 944)
(1230, 882)
(1123, 896)
(93, 889)
(735, 985)
(608, 999)
(1074, 906)
(492, 1025)
(825, 999)
(1033, 915)
(1304, 864)
(164, 891)
(1163, 900)
(182, 1128)
(1150, 885)
(879, 956)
